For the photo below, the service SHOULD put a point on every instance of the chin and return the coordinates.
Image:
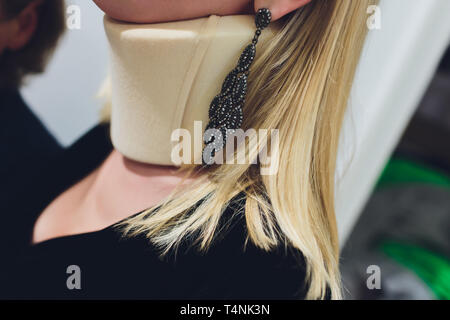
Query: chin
(157, 11)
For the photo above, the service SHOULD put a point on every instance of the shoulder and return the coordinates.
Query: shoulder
(24, 126)
(251, 272)
(235, 268)
(231, 268)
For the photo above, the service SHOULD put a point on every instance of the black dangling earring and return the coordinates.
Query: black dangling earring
(225, 112)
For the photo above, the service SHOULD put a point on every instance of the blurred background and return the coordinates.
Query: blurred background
(393, 197)
(405, 227)
(64, 97)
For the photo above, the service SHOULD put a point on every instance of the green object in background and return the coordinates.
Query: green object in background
(404, 171)
(433, 269)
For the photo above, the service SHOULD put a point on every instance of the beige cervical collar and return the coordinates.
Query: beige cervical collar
(164, 77)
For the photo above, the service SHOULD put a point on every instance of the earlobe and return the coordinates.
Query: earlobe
(24, 27)
(280, 8)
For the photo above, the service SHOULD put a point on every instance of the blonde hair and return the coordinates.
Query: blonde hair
(300, 85)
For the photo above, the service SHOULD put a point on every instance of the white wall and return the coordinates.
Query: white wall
(396, 67)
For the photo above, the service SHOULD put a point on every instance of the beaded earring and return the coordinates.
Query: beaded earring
(225, 112)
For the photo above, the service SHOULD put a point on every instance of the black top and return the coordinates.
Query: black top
(114, 267)
(25, 143)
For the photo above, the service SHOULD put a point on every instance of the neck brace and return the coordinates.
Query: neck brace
(164, 77)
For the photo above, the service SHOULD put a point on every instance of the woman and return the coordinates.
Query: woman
(222, 231)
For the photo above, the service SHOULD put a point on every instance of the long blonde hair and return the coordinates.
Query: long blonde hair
(300, 85)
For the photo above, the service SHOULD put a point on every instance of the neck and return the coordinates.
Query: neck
(140, 186)
(164, 77)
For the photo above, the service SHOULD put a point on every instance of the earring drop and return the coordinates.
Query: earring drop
(225, 112)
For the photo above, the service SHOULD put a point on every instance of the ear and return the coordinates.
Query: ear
(280, 8)
(24, 26)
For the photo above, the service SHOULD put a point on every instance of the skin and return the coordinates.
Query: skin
(117, 189)
(17, 32)
(152, 11)
(121, 187)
